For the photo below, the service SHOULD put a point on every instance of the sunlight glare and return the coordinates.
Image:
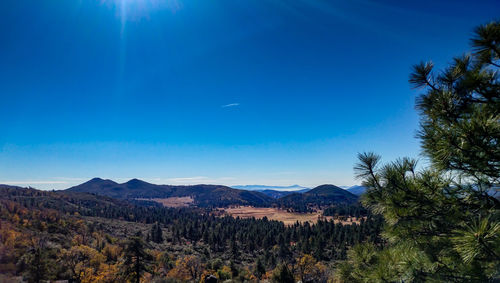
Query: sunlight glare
(133, 10)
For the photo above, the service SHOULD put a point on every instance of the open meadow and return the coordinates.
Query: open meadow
(172, 201)
(289, 218)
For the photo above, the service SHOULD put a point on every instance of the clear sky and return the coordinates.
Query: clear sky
(217, 91)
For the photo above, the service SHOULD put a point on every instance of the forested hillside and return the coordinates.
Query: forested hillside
(321, 196)
(203, 195)
(214, 196)
(89, 238)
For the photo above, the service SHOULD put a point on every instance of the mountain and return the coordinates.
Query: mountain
(261, 188)
(65, 201)
(7, 187)
(323, 195)
(331, 192)
(202, 195)
(357, 190)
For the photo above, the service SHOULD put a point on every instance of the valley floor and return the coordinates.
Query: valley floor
(289, 218)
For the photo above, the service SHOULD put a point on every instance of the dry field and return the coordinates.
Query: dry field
(173, 201)
(289, 218)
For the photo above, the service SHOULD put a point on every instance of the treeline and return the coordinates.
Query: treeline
(316, 199)
(346, 210)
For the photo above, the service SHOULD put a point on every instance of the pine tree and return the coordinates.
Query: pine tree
(136, 259)
(441, 223)
(260, 269)
(282, 274)
(233, 247)
(283, 250)
(156, 233)
(36, 262)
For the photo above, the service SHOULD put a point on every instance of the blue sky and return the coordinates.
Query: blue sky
(228, 92)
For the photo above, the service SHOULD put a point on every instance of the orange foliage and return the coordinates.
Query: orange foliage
(187, 268)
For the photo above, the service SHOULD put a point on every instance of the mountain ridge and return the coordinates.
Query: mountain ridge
(203, 195)
(206, 195)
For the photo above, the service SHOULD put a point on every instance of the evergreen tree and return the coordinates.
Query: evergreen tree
(282, 274)
(136, 259)
(441, 222)
(233, 247)
(36, 261)
(234, 269)
(260, 269)
(156, 233)
(283, 251)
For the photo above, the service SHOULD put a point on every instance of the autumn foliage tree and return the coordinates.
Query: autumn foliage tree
(187, 268)
(309, 270)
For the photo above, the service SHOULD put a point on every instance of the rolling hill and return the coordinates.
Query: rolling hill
(323, 195)
(66, 201)
(203, 195)
(332, 193)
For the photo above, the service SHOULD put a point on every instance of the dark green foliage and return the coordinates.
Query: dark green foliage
(282, 275)
(36, 262)
(156, 233)
(260, 268)
(347, 210)
(233, 246)
(136, 259)
(442, 224)
(460, 111)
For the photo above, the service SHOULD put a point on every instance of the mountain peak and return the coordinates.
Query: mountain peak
(327, 189)
(134, 180)
(97, 180)
(136, 183)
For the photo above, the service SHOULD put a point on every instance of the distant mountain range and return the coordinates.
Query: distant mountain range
(203, 195)
(261, 188)
(217, 195)
(274, 191)
(280, 191)
(357, 190)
